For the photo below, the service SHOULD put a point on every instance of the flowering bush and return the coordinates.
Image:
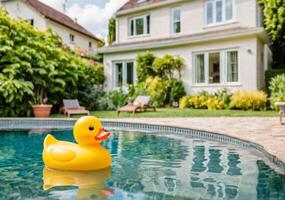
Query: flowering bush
(217, 101)
(249, 100)
(277, 89)
(156, 89)
(35, 65)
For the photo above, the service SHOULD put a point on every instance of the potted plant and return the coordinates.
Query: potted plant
(41, 109)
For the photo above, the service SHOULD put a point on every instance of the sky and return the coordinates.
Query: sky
(91, 14)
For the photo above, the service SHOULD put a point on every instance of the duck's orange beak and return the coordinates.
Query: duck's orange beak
(102, 135)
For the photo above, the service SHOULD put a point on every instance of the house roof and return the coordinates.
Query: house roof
(184, 39)
(59, 17)
(135, 3)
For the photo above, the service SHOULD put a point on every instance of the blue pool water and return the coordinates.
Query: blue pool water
(144, 166)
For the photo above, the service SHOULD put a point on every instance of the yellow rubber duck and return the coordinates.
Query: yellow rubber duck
(87, 155)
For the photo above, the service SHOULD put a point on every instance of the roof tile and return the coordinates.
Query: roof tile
(134, 4)
(59, 17)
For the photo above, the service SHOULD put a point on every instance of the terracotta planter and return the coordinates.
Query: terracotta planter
(41, 110)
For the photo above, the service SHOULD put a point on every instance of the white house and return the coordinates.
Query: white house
(223, 42)
(42, 16)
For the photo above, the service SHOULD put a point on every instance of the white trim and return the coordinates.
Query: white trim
(172, 20)
(147, 7)
(184, 41)
(124, 73)
(144, 18)
(214, 10)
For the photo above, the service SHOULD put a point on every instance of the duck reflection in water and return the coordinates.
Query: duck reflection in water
(91, 185)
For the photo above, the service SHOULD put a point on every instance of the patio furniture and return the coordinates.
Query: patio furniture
(141, 103)
(72, 107)
(281, 106)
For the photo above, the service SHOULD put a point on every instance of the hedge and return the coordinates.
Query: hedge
(271, 73)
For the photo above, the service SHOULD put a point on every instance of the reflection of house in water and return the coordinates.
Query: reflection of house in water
(160, 165)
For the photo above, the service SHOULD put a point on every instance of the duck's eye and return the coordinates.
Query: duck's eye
(91, 128)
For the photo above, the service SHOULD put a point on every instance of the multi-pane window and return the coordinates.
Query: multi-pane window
(71, 38)
(219, 11)
(124, 73)
(216, 67)
(200, 68)
(139, 25)
(232, 66)
(176, 20)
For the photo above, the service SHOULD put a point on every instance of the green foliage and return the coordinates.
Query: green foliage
(166, 66)
(217, 101)
(274, 15)
(35, 65)
(184, 102)
(270, 74)
(144, 66)
(156, 89)
(224, 98)
(92, 98)
(174, 91)
(112, 30)
(277, 89)
(247, 100)
(116, 99)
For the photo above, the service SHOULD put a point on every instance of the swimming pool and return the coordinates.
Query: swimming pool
(145, 166)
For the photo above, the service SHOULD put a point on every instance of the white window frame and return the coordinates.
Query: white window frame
(144, 17)
(114, 74)
(224, 21)
(223, 67)
(70, 36)
(173, 21)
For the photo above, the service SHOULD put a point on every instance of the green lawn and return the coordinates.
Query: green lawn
(170, 112)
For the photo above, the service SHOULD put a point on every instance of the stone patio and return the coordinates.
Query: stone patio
(266, 132)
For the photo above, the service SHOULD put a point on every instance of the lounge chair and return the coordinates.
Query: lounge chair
(281, 106)
(72, 107)
(141, 103)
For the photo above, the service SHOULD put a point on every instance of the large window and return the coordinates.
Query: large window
(200, 68)
(216, 67)
(232, 66)
(123, 73)
(139, 25)
(219, 11)
(176, 20)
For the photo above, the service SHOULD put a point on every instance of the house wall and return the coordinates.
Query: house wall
(81, 40)
(250, 75)
(192, 20)
(18, 9)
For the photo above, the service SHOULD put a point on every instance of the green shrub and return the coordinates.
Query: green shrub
(35, 65)
(184, 102)
(167, 66)
(224, 98)
(174, 91)
(217, 101)
(277, 90)
(156, 89)
(93, 98)
(249, 100)
(270, 74)
(116, 99)
(144, 66)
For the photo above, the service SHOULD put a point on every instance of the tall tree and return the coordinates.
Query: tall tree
(112, 30)
(274, 21)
